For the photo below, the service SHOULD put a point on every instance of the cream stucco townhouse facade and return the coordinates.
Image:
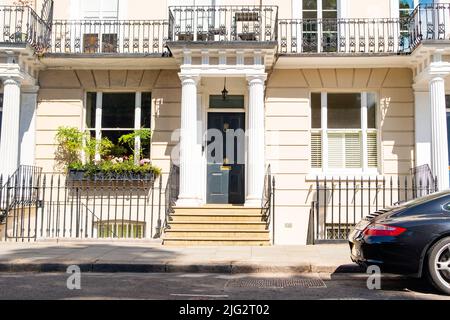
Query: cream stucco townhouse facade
(273, 122)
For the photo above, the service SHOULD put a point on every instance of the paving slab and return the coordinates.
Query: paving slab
(153, 257)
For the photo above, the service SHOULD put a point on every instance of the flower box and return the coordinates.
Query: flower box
(77, 175)
(82, 175)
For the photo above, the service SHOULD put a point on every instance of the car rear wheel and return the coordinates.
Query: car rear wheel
(439, 265)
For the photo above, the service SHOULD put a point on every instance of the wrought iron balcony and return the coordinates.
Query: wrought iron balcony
(110, 37)
(223, 23)
(21, 25)
(365, 36)
(430, 22)
(344, 36)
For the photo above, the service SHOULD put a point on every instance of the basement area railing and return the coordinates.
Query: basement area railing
(21, 25)
(80, 209)
(223, 23)
(110, 37)
(341, 202)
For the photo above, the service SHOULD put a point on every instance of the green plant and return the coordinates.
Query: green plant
(130, 139)
(118, 168)
(118, 151)
(70, 145)
(92, 147)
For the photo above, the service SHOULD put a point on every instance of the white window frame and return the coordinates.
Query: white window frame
(297, 9)
(98, 118)
(364, 130)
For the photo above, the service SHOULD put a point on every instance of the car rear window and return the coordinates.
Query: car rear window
(427, 204)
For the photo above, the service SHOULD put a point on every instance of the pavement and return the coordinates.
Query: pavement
(152, 257)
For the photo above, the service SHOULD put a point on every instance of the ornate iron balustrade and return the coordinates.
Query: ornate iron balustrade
(21, 25)
(110, 37)
(430, 22)
(223, 23)
(344, 36)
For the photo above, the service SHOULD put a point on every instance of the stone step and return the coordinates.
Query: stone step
(219, 225)
(240, 218)
(218, 210)
(231, 234)
(214, 242)
(216, 225)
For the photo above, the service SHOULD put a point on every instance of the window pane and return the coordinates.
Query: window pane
(146, 110)
(330, 15)
(316, 111)
(236, 101)
(371, 110)
(309, 14)
(309, 4)
(344, 111)
(329, 4)
(406, 4)
(90, 109)
(114, 137)
(118, 110)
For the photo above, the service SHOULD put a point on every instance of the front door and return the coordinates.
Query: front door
(226, 158)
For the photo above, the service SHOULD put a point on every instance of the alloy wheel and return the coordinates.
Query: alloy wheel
(442, 265)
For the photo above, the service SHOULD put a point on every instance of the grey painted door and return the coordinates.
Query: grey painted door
(226, 158)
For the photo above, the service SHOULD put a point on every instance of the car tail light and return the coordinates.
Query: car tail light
(381, 230)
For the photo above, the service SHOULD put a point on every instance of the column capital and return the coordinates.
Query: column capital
(438, 69)
(189, 78)
(256, 79)
(11, 81)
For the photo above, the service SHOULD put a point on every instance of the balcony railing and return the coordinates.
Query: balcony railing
(344, 36)
(223, 23)
(109, 36)
(430, 22)
(21, 25)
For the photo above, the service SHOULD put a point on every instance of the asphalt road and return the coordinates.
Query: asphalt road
(211, 286)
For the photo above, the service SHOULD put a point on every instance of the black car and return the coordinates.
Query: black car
(411, 239)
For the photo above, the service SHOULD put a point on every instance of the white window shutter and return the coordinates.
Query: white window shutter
(353, 150)
(335, 150)
(316, 150)
(372, 150)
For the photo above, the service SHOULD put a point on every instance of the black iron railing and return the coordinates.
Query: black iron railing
(340, 203)
(59, 207)
(171, 194)
(268, 202)
(430, 22)
(344, 36)
(223, 23)
(110, 37)
(21, 25)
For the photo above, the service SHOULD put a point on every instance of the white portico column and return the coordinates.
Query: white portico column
(256, 155)
(27, 135)
(439, 144)
(189, 160)
(9, 144)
